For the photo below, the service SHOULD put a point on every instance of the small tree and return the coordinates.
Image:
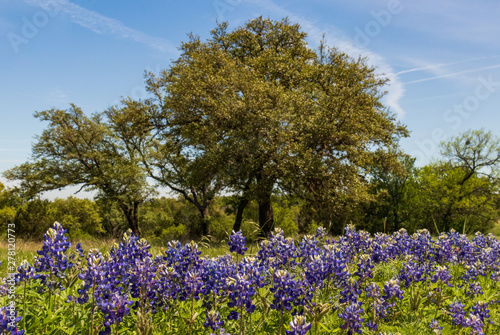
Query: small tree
(463, 188)
(78, 150)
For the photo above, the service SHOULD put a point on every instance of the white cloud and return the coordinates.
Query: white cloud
(339, 39)
(101, 24)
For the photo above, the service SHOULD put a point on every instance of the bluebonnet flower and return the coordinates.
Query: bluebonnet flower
(472, 271)
(443, 275)
(251, 267)
(373, 290)
(316, 271)
(422, 246)
(237, 243)
(372, 325)
(475, 289)
(222, 331)
(115, 307)
(320, 233)
(413, 272)
(183, 258)
(52, 258)
(364, 267)
(233, 315)
(94, 276)
(278, 251)
(351, 291)
(392, 289)
(25, 272)
(142, 283)
(285, 291)
(299, 326)
(381, 305)
(214, 273)
(308, 247)
(475, 323)
(241, 292)
(169, 285)
(213, 320)
(434, 326)
(192, 286)
(352, 319)
(4, 287)
(457, 313)
(8, 321)
(79, 248)
(335, 261)
(481, 310)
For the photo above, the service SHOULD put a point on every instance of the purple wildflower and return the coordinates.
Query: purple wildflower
(237, 243)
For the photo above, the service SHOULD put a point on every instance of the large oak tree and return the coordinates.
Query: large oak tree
(261, 106)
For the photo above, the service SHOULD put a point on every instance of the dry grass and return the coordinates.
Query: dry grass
(496, 229)
(28, 250)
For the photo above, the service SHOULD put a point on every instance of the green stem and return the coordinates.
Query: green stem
(192, 311)
(92, 310)
(315, 316)
(74, 315)
(24, 307)
(241, 321)
(281, 323)
(251, 324)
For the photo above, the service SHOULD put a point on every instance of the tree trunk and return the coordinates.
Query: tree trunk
(239, 214)
(266, 217)
(131, 214)
(447, 219)
(396, 219)
(205, 222)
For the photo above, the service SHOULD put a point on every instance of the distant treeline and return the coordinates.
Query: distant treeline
(420, 200)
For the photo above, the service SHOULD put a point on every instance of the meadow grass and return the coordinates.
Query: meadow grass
(26, 249)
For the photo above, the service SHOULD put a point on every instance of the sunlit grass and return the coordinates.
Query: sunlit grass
(28, 249)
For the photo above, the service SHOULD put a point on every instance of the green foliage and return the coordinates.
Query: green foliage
(9, 202)
(31, 220)
(453, 204)
(79, 216)
(79, 150)
(285, 217)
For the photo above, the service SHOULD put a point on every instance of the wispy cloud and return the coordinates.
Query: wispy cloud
(453, 74)
(435, 66)
(339, 39)
(101, 24)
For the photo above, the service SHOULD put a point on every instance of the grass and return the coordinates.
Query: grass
(27, 249)
(496, 229)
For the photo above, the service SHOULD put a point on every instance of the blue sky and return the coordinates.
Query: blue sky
(442, 58)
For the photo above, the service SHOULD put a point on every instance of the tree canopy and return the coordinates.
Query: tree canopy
(261, 106)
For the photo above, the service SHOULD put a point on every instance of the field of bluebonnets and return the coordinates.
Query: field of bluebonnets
(354, 284)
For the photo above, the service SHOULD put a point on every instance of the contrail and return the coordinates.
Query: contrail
(445, 64)
(453, 74)
(101, 24)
